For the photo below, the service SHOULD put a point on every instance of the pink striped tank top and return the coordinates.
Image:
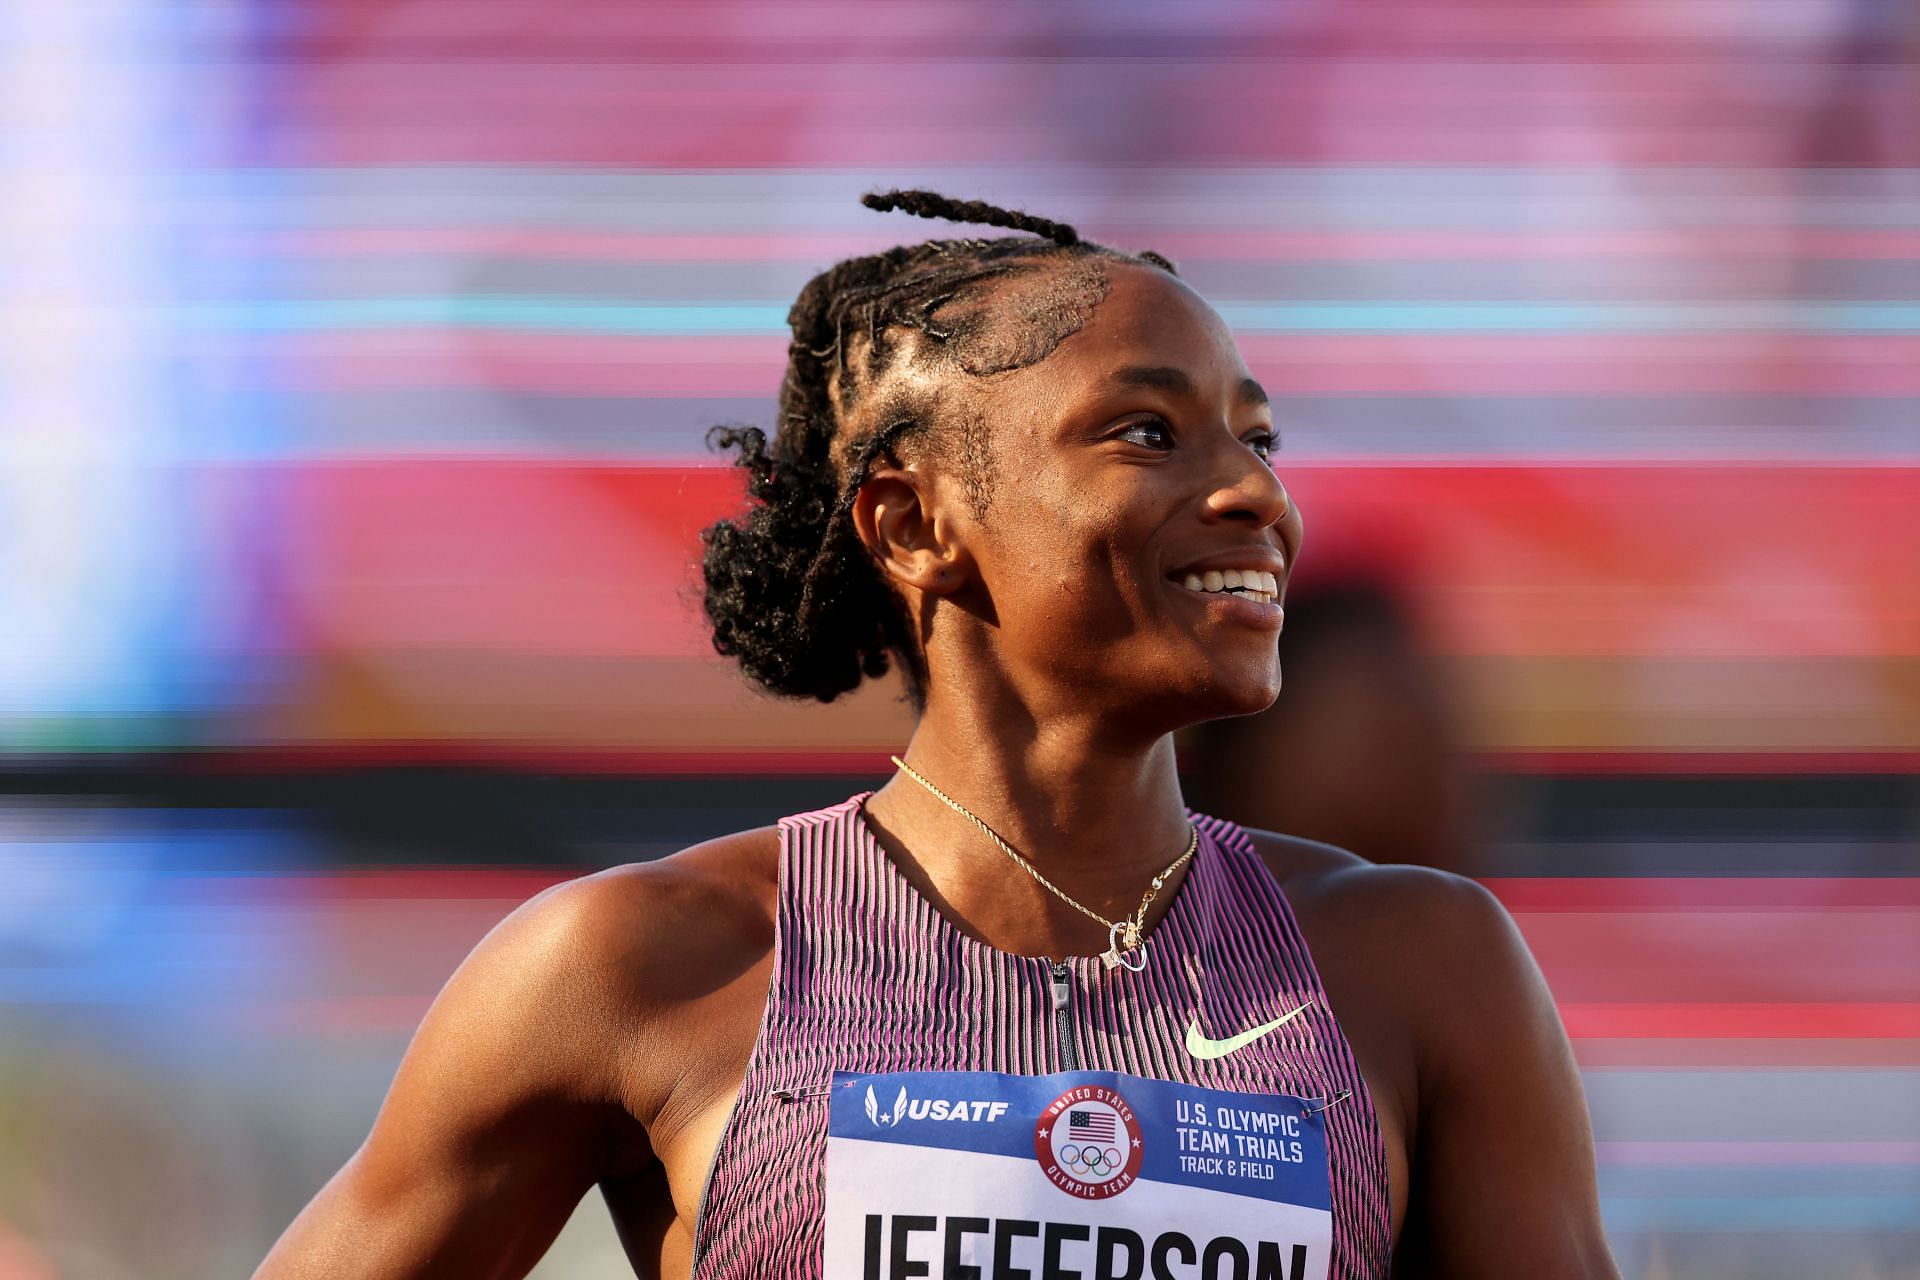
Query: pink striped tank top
(870, 977)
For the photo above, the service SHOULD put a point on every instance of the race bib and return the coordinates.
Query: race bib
(1085, 1175)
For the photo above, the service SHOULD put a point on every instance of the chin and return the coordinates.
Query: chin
(1220, 694)
(1253, 699)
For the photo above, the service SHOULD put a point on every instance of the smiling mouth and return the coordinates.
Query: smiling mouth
(1250, 584)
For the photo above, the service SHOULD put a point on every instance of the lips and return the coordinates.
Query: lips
(1237, 584)
(1259, 609)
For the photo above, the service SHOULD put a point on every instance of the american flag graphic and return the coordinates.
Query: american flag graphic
(1089, 1126)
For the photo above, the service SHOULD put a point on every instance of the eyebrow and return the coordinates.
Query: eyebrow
(1174, 381)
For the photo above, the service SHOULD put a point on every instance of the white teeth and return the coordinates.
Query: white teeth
(1254, 584)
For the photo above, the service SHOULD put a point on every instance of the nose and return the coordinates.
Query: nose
(1248, 491)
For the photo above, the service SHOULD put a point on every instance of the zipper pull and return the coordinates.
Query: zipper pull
(1063, 1016)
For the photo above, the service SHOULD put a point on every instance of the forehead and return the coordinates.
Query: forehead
(1148, 318)
(1146, 306)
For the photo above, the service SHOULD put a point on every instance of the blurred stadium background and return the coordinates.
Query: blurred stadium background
(355, 360)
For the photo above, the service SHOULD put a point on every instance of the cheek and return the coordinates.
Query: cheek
(1075, 556)
(1089, 575)
(1063, 560)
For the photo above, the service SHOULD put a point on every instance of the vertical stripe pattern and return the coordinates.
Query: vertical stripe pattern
(869, 976)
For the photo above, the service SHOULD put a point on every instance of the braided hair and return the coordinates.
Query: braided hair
(791, 591)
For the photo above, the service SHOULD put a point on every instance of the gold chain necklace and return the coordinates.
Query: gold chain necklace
(1126, 945)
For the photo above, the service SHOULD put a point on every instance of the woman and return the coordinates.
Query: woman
(1018, 1012)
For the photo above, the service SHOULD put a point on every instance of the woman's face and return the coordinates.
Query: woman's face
(1132, 456)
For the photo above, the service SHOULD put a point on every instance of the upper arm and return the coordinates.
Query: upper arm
(1503, 1179)
(498, 1121)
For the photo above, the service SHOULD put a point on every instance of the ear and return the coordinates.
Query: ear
(898, 516)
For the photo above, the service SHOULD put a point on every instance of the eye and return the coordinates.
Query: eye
(1264, 444)
(1150, 426)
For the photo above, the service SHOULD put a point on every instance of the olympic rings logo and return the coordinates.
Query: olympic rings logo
(1089, 1142)
(1092, 1160)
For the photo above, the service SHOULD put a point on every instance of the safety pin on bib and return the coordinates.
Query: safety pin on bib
(1342, 1096)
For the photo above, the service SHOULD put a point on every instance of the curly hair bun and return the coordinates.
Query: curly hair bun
(790, 640)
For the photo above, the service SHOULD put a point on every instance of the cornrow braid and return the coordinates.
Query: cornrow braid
(791, 592)
(931, 204)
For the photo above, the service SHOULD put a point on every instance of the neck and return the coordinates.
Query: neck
(1098, 817)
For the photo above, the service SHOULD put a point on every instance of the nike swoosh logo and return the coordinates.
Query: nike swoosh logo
(1201, 1047)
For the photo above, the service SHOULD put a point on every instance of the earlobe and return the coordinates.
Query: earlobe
(928, 569)
(947, 578)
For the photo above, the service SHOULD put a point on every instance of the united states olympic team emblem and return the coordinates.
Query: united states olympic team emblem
(1089, 1143)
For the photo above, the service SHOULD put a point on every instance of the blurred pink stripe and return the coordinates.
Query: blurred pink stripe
(1567, 763)
(1858, 959)
(383, 107)
(1694, 893)
(1418, 364)
(533, 362)
(1603, 1053)
(1753, 1021)
(1752, 1153)
(824, 247)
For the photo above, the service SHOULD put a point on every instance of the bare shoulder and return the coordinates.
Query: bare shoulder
(553, 998)
(1433, 980)
(657, 934)
(539, 1068)
(1416, 905)
(1431, 950)
(586, 992)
